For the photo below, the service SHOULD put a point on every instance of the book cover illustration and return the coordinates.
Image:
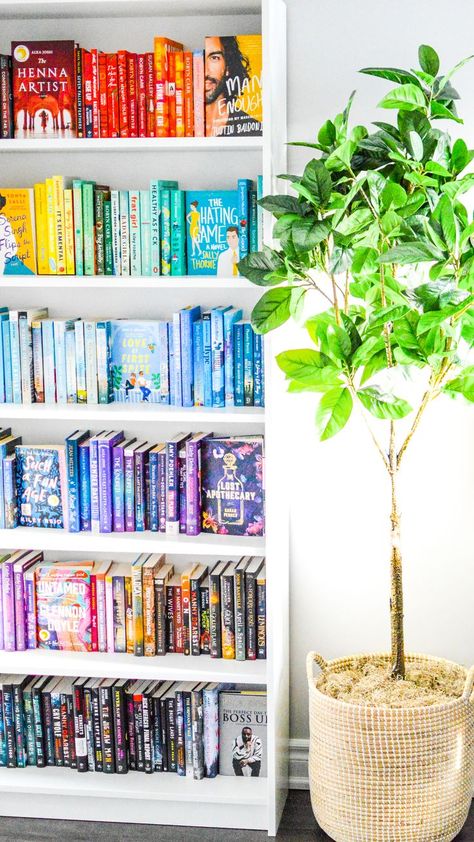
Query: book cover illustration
(135, 361)
(63, 607)
(233, 85)
(44, 89)
(212, 232)
(243, 734)
(233, 486)
(17, 235)
(41, 484)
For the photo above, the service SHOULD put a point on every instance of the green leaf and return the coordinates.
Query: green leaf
(318, 181)
(393, 74)
(272, 310)
(463, 384)
(437, 317)
(437, 169)
(413, 204)
(448, 222)
(352, 331)
(333, 412)
(354, 222)
(381, 405)
(297, 303)
(364, 262)
(404, 331)
(278, 205)
(282, 228)
(367, 349)
(407, 97)
(259, 265)
(416, 146)
(327, 133)
(388, 314)
(302, 364)
(323, 382)
(376, 363)
(393, 196)
(459, 155)
(440, 111)
(341, 157)
(444, 81)
(466, 235)
(429, 59)
(307, 233)
(412, 252)
(347, 200)
(340, 345)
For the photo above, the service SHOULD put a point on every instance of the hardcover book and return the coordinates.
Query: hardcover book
(233, 485)
(42, 486)
(243, 733)
(63, 606)
(233, 85)
(17, 232)
(135, 361)
(212, 232)
(44, 88)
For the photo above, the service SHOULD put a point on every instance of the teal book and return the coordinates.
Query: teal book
(259, 213)
(145, 231)
(78, 228)
(244, 188)
(135, 361)
(178, 233)
(124, 233)
(164, 195)
(135, 233)
(253, 227)
(212, 232)
(155, 227)
(88, 226)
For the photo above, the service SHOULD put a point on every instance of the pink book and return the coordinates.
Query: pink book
(8, 601)
(20, 568)
(30, 605)
(198, 90)
(109, 610)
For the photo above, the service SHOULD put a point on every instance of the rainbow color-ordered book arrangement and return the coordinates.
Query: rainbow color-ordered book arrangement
(59, 89)
(118, 725)
(210, 358)
(78, 227)
(145, 607)
(107, 482)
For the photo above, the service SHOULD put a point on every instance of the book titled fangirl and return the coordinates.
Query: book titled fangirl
(44, 88)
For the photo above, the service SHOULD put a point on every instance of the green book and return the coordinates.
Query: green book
(78, 227)
(135, 234)
(145, 228)
(164, 188)
(100, 194)
(108, 247)
(178, 233)
(88, 226)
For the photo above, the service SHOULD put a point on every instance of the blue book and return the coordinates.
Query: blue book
(217, 355)
(84, 485)
(248, 364)
(164, 198)
(198, 363)
(207, 358)
(259, 213)
(42, 467)
(10, 503)
(163, 350)
(70, 345)
(173, 447)
(155, 227)
(118, 484)
(178, 388)
(38, 368)
(4, 317)
(105, 443)
(239, 364)
(49, 360)
(178, 233)
(141, 469)
(258, 370)
(7, 447)
(3, 738)
(172, 371)
(230, 317)
(188, 315)
(81, 383)
(15, 355)
(135, 368)
(73, 479)
(94, 481)
(154, 484)
(7, 361)
(212, 232)
(253, 228)
(244, 187)
(103, 340)
(60, 359)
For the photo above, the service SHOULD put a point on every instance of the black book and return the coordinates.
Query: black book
(107, 724)
(261, 604)
(239, 607)
(64, 691)
(89, 724)
(138, 725)
(9, 720)
(120, 725)
(170, 619)
(159, 747)
(48, 719)
(227, 611)
(215, 608)
(70, 729)
(38, 718)
(195, 583)
(205, 638)
(18, 683)
(6, 97)
(79, 724)
(170, 701)
(251, 606)
(148, 726)
(132, 747)
(96, 727)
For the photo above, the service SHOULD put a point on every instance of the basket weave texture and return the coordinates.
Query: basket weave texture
(390, 775)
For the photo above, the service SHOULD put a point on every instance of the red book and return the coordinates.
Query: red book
(150, 95)
(178, 619)
(79, 93)
(44, 88)
(188, 95)
(122, 92)
(112, 96)
(95, 93)
(171, 92)
(132, 95)
(103, 116)
(87, 92)
(141, 96)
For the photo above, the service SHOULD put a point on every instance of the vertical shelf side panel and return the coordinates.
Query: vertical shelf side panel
(276, 436)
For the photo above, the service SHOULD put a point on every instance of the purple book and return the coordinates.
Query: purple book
(2, 642)
(182, 489)
(30, 606)
(94, 481)
(233, 485)
(129, 485)
(162, 490)
(193, 483)
(141, 462)
(19, 569)
(8, 601)
(104, 455)
(172, 482)
(118, 488)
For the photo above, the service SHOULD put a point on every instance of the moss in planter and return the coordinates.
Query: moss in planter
(368, 682)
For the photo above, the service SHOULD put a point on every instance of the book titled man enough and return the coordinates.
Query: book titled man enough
(243, 733)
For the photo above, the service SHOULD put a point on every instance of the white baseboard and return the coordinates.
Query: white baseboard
(299, 764)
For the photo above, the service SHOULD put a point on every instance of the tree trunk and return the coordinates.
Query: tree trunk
(396, 598)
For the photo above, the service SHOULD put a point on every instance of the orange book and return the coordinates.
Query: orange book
(163, 48)
(186, 605)
(179, 93)
(132, 95)
(171, 92)
(129, 628)
(188, 95)
(150, 568)
(150, 95)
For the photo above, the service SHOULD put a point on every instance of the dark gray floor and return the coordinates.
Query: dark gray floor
(298, 825)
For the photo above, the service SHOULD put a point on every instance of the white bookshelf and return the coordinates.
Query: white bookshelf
(198, 163)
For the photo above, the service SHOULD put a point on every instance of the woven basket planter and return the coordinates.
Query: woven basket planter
(390, 775)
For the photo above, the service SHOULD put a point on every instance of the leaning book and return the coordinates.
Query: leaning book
(233, 485)
(41, 485)
(243, 733)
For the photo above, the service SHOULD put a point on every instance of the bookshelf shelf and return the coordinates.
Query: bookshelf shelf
(169, 667)
(58, 540)
(199, 163)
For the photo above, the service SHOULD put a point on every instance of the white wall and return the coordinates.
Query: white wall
(340, 502)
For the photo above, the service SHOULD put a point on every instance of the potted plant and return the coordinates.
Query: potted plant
(378, 229)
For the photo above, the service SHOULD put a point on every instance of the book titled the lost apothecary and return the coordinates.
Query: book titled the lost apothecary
(233, 485)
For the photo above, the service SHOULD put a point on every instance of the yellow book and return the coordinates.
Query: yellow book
(58, 198)
(41, 229)
(17, 232)
(69, 232)
(51, 224)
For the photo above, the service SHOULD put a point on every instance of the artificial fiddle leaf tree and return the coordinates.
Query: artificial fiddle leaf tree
(377, 227)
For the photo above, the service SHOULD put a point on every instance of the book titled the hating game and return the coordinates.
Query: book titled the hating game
(44, 89)
(233, 485)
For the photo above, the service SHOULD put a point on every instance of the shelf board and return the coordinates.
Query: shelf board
(122, 8)
(171, 667)
(133, 144)
(78, 413)
(58, 540)
(114, 282)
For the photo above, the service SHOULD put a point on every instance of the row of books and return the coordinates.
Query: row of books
(142, 607)
(110, 483)
(198, 358)
(78, 227)
(59, 89)
(119, 725)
